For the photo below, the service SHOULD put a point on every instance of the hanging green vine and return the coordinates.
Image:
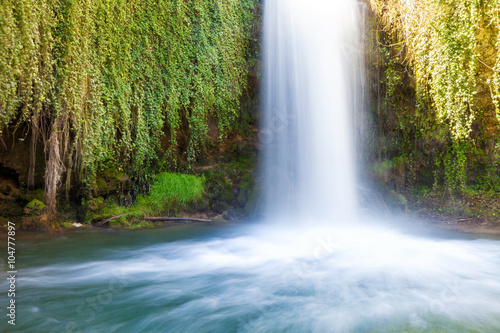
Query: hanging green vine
(438, 102)
(112, 77)
(493, 14)
(442, 47)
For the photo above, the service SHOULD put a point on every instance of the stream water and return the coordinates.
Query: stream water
(257, 278)
(312, 265)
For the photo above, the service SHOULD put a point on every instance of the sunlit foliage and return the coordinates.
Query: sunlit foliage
(100, 81)
(442, 42)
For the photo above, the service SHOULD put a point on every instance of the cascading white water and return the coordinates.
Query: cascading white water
(310, 68)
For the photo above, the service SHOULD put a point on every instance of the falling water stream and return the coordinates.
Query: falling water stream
(309, 102)
(322, 268)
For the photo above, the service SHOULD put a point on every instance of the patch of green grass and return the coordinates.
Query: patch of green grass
(171, 193)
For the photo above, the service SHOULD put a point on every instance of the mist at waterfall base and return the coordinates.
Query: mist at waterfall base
(311, 265)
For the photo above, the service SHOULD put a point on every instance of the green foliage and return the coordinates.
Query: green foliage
(141, 225)
(434, 62)
(36, 194)
(249, 194)
(174, 193)
(247, 185)
(171, 193)
(99, 209)
(489, 180)
(492, 10)
(392, 78)
(35, 204)
(382, 170)
(455, 169)
(94, 204)
(34, 207)
(219, 190)
(420, 191)
(442, 46)
(110, 78)
(67, 225)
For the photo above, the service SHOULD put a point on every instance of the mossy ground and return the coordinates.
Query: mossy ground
(169, 194)
(220, 192)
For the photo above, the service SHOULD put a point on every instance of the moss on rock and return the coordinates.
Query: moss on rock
(32, 195)
(34, 207)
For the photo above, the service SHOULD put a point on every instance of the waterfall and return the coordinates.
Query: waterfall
(311, 71)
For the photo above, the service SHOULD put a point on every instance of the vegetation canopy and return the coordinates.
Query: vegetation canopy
(444, 43)
(436, 67)
(104, 83)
